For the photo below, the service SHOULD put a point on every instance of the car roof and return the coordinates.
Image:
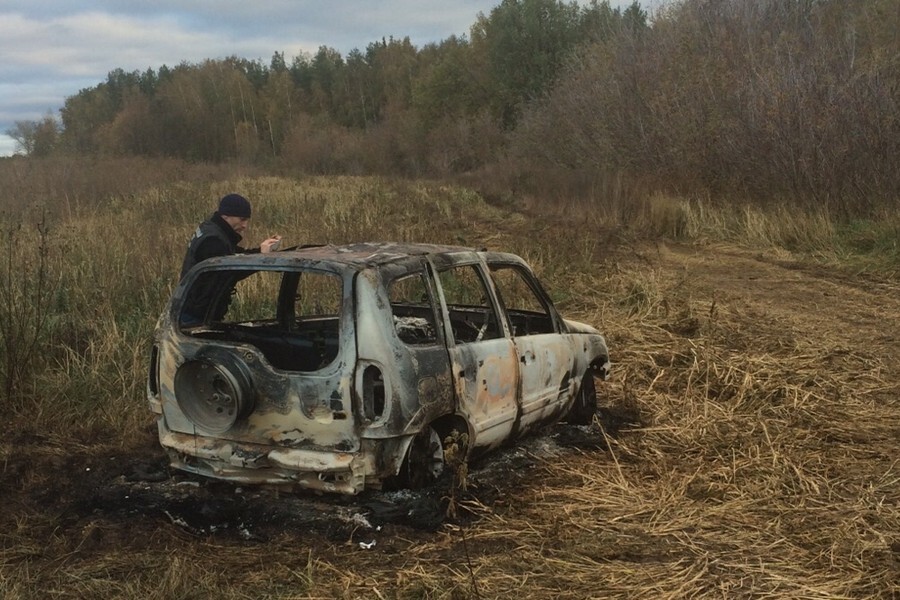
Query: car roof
(356, 257)
(373, 253)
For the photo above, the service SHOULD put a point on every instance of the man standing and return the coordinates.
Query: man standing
(218, 236)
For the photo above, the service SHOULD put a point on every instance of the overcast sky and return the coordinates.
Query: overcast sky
(52, 49)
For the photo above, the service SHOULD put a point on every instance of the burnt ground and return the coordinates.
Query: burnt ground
(78, 515)
(137, 488)
(100, 498)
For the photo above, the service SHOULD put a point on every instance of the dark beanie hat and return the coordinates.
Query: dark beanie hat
(234, 205)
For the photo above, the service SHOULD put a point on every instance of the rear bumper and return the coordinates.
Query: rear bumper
(337, 472)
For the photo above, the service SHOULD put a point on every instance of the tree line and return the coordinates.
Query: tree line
(770, 99)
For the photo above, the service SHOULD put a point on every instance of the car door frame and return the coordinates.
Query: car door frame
(485, 373)
(546, 360)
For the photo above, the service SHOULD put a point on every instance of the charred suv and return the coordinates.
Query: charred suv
(341, 368)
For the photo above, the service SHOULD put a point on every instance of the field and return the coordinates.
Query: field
(745, 446)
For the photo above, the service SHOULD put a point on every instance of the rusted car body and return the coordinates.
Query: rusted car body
(341, 368)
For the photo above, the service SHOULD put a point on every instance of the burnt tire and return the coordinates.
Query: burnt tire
(213, 394)
(585, 405)
(424, 461)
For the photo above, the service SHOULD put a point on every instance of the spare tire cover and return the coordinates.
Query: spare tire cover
(213, 394)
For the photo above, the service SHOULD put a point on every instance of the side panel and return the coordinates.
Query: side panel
(546, 367)
(415, 379)
(486, 382)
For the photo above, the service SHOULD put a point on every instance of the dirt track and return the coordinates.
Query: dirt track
(859, 313)
(75, 509)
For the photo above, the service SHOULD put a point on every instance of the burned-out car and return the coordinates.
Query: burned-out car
(341, 368)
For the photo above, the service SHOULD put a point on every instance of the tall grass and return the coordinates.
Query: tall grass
(622, 214)
(110, 261)
(27, 286)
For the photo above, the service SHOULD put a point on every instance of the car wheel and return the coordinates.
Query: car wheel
(424, 461)
(213, 395)
(582, 411)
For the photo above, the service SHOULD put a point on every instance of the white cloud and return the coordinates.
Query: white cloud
(7, 145)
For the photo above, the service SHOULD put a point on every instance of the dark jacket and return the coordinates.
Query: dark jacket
(213, 237)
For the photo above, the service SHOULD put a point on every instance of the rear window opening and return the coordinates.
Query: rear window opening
(292, 317)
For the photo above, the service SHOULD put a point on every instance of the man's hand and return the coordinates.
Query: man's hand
(270, 245)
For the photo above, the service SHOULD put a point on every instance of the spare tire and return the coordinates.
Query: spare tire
(213, 395)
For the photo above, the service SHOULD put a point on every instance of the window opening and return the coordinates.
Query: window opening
(528, 313)
(472, 315)
(412, 310)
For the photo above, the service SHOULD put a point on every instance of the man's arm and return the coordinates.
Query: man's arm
(212, 247)
(268, 245)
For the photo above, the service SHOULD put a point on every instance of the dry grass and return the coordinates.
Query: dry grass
(763, 462)
(761, 472)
